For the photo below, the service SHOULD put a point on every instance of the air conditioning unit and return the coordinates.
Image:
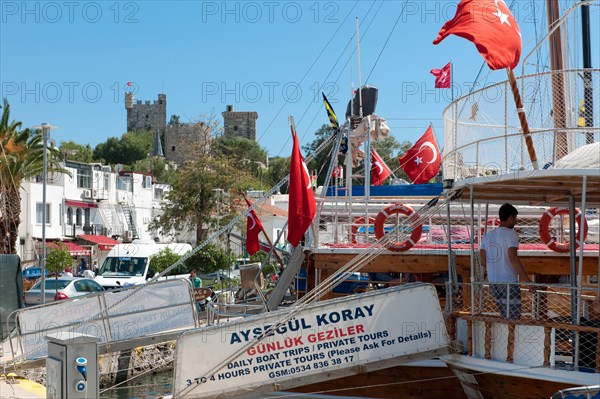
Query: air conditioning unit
(106, 168)
(127, 235)
(87, 194)
(94, 193)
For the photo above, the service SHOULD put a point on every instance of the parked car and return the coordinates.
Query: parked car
(68, 287)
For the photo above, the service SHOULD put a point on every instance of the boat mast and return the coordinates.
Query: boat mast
(588, 98)
(558, 85)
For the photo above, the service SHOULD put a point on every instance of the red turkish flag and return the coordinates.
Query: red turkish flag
(379, 170)
(302, 206)
(423, 160)
(253, 229)
(443, 76)
(490, 25)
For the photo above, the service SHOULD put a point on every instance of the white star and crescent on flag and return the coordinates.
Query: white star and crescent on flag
(503, 17)
(490, 25)
(251, 217)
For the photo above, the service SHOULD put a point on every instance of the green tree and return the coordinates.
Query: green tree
(192, 201)
(21, 158)
(76, 152)
(131, 147)
(58, 259)
(164, 258)
(208, 260)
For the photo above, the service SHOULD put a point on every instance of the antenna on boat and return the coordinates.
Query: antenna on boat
(367, 160)
(360, 109)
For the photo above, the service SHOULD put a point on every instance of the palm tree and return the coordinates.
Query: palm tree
(21, 158)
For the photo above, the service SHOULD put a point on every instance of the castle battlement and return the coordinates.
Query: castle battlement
(146, 115)
(239, 124)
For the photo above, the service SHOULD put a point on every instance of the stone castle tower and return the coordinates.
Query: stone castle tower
(146, 116)
(239, 124)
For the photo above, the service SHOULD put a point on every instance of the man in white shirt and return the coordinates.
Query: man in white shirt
(498, 255)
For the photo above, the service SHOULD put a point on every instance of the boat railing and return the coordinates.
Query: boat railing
(589, 392)
(483, 134)
(350, 223)
(537, 325)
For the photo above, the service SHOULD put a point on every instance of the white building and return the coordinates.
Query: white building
(96, 206)
(94, 201)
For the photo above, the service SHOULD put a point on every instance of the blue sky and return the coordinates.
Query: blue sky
(68, 63)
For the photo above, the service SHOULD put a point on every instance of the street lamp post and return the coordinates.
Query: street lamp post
(218, 191)
(45, 137)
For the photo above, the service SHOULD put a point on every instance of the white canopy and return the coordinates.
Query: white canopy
(586, 157)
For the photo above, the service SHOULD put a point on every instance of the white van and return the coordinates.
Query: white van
(127, 264)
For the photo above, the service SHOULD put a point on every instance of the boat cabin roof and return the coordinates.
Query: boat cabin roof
(550, 187)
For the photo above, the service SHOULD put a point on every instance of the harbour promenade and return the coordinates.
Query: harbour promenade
(21, 388)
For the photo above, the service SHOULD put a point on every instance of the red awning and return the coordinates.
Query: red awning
(74, 249)
(81, 204)
(104, 243)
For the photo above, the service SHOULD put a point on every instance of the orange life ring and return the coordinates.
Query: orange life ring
(407, 211)
(545, 229)
(356, 225)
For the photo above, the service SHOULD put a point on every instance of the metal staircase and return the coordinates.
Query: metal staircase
(129, 213)
(110, 217)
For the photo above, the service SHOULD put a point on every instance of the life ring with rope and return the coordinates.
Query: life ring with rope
(405, 210)
(358, 222)
(550, 241)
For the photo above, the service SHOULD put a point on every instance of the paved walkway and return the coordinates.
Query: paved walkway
(22, 389)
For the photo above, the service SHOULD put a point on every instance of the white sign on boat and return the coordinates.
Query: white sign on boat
(324, 340)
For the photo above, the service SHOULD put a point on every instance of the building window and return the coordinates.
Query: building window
(78, 217)
(147, 181)
(84, 178)
(235, 128)
(106, 181)
(172, 148)
(69, 216)
(124, 183)
(39, 208)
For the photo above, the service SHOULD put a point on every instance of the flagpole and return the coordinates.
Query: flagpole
(522, 118)
(437, 141)
(452, 81)
(262, 228)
